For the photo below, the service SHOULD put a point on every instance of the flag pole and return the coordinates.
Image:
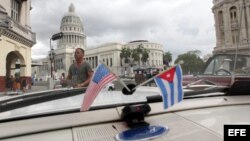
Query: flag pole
(118, 78)
(150, 79)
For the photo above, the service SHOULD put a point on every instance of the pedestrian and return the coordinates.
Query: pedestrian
(8, 84)
(63, 80)
(139, 77)
(14, 84)
(80, 72)
(23, 84)
(11, 82)
(18, 85)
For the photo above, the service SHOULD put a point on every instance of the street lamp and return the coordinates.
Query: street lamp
(52, 58)
(52, 54)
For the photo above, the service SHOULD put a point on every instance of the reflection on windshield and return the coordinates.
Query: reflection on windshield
(74, 102)
(224, 65)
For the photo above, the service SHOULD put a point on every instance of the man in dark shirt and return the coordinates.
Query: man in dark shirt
(80, 72)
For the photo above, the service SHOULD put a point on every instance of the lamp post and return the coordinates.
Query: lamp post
(52, 54)
(52, 58)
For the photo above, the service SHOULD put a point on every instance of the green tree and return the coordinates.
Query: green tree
(140, 54)
(125, 54)
(145, 56)
(167, 58)
(192, 63)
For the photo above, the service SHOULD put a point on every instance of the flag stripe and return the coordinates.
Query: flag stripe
(167, 87)
(160, 84)
(179, 83)
(91, 98)
(170, 84)
(175, 89)
(101, 77)
(96, 89)
(107, 79)
(171, 93)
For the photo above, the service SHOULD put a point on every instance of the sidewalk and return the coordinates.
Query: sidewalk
(34, 88)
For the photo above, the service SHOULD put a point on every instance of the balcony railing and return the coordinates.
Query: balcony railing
(234, 24)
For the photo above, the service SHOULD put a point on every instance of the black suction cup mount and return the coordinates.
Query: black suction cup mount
(131, 87)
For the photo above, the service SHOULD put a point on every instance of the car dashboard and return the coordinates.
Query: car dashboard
(192, 119)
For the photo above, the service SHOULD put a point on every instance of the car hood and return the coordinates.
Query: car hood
(104, 98)
(191, 119)
(214, 118)
(203, 116)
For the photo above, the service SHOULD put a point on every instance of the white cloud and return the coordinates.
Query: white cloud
(180, 25)
(39, 51)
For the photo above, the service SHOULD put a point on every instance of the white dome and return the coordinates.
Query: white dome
(71, 19)
(73, 31)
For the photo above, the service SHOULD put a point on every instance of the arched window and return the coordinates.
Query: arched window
(233, 14)
(16, 9)
(220, 18)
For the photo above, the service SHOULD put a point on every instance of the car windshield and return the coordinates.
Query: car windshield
(80, 55)
(105, 99)
(224, 64)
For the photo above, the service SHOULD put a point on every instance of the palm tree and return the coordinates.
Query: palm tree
(167, 58)
(125, 54)
(140, 54)
(145, 56)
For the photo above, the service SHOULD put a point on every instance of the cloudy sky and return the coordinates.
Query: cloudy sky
(179, 25)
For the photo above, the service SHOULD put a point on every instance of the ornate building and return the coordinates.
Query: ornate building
(73, 37)
(232, 25)
(109, 53)
(156, 51)
(16, 40)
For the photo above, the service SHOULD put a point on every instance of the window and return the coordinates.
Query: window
(220, 18)
(15, 10)
(96, 61)
(111, 63)
(233, 14)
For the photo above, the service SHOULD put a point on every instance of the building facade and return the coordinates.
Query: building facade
(73, 37)
(155, 51)
(232, 26)
(16, 40)
(108, 53)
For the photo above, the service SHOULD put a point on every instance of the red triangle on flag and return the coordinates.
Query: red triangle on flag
(168, 75)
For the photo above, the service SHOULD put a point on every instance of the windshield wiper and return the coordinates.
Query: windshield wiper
(26, 100)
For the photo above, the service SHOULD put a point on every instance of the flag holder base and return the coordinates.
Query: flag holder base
(134, 115)
(131, 88)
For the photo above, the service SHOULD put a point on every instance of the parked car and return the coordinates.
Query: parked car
(220, 70)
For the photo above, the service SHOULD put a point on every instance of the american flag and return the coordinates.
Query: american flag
(101, 77)
(170, 84)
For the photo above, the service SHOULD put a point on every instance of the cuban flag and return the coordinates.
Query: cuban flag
(100, 78)
(170, 84)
